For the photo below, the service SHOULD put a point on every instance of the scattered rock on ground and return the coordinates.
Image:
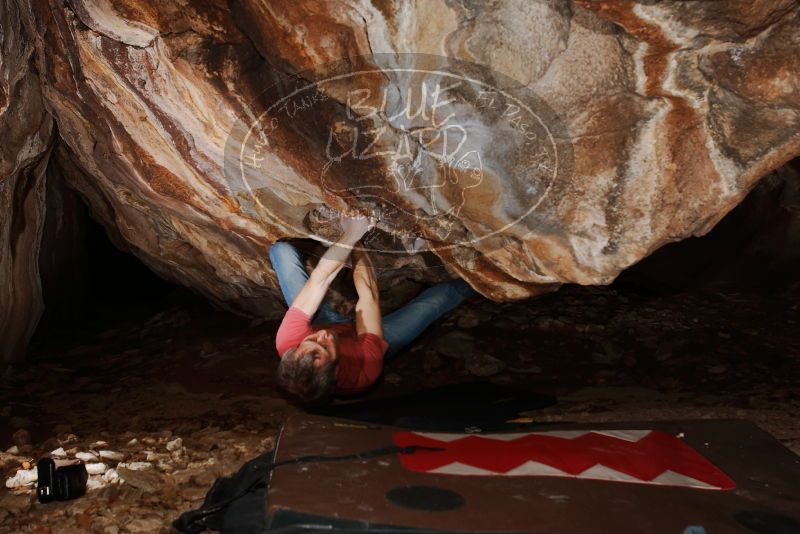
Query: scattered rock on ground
(23, 477)
(96, 468)
(149, 481)
(112, 455)
(483, 365)
(175, 444)
(21, 437)
(393, 378)
(456, 344)
(110, 476)
(135, 466)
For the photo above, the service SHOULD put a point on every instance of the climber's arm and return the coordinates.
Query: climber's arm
(310, 297)
(368, 310)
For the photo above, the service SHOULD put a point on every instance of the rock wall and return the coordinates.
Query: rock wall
(519, 144)
(26, 132)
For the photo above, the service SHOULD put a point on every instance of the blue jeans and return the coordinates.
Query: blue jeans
(400, 327)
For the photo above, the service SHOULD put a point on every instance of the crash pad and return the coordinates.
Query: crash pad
(621, 477)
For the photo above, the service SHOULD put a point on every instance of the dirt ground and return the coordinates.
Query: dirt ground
(180, 396)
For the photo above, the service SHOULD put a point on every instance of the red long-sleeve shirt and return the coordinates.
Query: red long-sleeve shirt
(360, 357)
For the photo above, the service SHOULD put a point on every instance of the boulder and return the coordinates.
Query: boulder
(518, 144)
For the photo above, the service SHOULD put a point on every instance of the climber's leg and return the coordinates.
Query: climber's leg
(401, 327)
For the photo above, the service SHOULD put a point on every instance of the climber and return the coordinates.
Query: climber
(323, 352)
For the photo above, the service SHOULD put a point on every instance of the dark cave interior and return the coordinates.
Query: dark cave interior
(108, 285)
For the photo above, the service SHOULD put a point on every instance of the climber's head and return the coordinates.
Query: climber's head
(307, 371)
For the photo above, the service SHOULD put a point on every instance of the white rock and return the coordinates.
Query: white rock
(86, 456)
(96, 469)
(13, 450)
(58, 453)
(133, 442)
(110, 476)
(98, 444)
(208, 462)
(166, 466)
(112, 455)
(6, 458)
(24, 477)
(94, 483)
(71, 438)
(175, 444)
(136, 466)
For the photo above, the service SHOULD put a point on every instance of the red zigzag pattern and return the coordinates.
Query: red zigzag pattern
(644, 459)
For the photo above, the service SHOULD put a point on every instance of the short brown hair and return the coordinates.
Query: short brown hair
(302, 382)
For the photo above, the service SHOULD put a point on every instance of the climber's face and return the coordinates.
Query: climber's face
(323, 345)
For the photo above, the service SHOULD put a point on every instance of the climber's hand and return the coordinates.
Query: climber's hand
(356, 227)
